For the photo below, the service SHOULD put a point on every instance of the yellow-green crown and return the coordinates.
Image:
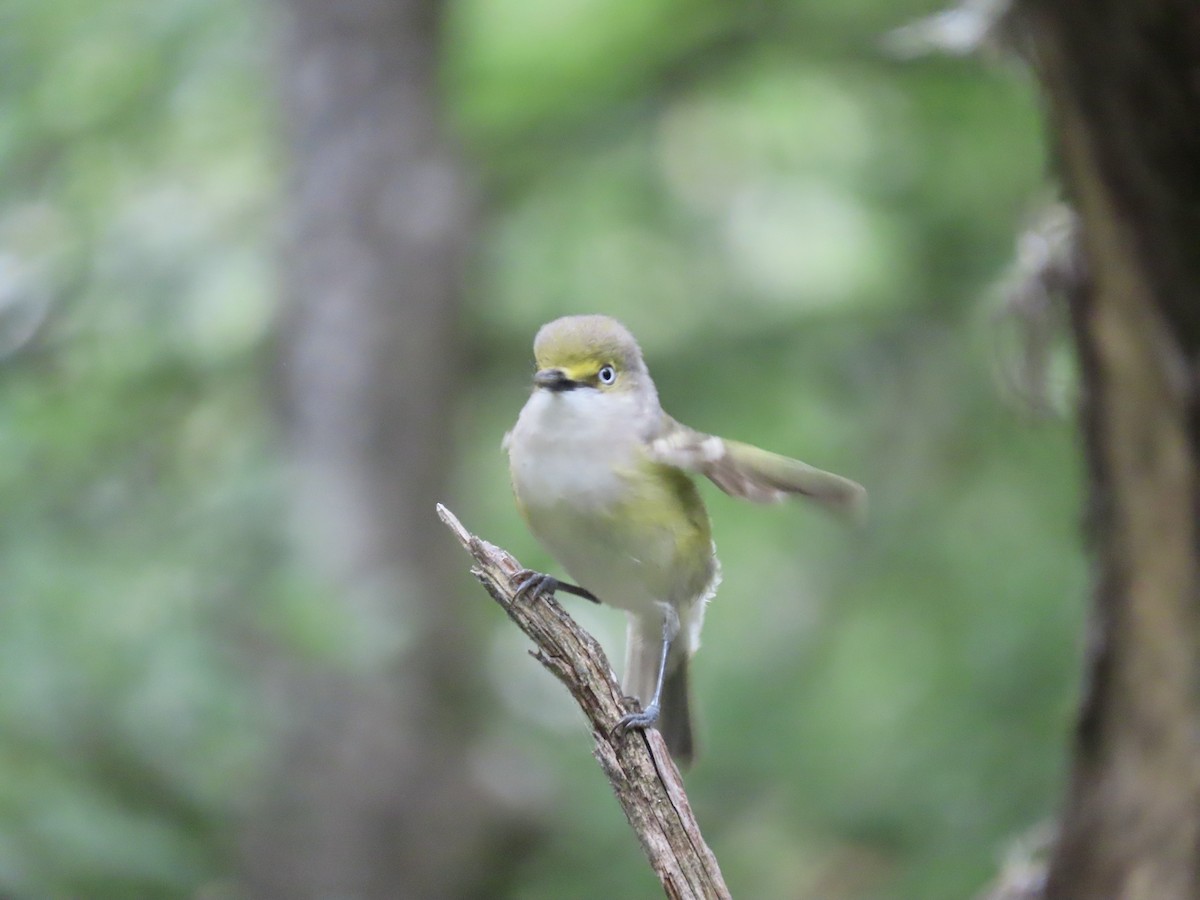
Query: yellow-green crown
(580, 345)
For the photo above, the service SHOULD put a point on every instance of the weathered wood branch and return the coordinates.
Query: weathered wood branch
(638, 766)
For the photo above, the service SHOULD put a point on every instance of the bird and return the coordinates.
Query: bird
(602, 477)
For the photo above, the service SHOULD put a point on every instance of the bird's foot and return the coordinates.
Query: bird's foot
(531, 583)
(636, 720)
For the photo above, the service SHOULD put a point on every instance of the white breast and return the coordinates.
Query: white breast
(567, 446)
(566, 453)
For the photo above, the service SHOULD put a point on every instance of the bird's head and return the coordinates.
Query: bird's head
(595, 352)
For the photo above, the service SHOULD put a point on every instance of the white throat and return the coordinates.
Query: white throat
(572, 445)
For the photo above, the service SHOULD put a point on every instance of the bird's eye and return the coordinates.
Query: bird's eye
(607, 374)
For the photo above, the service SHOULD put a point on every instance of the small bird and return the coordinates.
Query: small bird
(601, 476)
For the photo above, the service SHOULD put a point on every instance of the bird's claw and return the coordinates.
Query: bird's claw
(636, 720)
(530, 583)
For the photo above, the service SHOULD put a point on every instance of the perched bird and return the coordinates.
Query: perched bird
(601, 476)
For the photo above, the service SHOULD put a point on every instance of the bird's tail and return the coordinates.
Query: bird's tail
(643, 651)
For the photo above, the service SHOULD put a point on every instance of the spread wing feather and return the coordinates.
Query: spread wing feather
(745, 471)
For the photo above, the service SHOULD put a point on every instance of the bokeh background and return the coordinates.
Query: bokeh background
(811, 235)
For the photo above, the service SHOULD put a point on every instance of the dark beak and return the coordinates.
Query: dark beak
(554, 379)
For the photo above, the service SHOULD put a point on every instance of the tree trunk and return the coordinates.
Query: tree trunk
(373, 799)
(1122, 79)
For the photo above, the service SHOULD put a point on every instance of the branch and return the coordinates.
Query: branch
(638, 766)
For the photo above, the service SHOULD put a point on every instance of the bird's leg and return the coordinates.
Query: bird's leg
(530, 583)
(649, 714)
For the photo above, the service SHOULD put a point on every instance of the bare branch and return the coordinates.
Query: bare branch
(639, 768)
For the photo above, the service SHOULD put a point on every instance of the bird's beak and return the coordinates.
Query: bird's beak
(554, 379)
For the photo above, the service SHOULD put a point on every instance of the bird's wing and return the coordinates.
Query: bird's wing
(751, 473)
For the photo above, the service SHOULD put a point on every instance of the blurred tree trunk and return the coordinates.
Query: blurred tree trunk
(373, 798)
(1122, 79)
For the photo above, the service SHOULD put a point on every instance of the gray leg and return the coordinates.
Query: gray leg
(649, 714)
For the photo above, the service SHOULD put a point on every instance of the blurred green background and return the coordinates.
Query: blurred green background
(807, 236)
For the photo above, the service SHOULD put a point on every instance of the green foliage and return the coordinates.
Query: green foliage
(139, 490)
(801, 231)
